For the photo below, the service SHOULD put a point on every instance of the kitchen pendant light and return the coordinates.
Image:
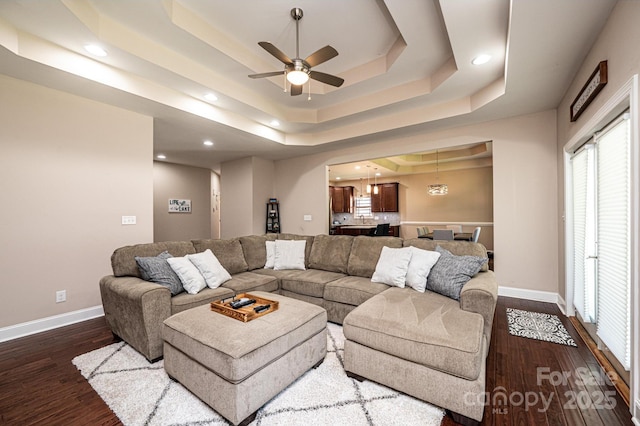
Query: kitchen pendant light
(375, 181)
(438, 188)
(368, 183)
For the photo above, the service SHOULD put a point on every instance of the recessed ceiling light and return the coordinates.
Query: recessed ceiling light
(208, 143)
(94, 49)
(378, 174)
(481, 59)
(274, 123)
(338, 178)
(211, 97)
(161, 157)
(357, 167)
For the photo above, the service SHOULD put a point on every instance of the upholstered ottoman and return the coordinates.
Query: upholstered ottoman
(237, 367)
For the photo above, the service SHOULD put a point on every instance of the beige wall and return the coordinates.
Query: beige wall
(69, 169)
(524, 191)
(618, 44)
(247, 184)
(181, 182)
(263, 176)
(215, 205)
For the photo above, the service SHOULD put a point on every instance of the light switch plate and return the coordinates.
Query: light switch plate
(307, 217)
(128, 220)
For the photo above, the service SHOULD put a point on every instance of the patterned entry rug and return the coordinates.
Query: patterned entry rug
(140, 393)
(535, 325)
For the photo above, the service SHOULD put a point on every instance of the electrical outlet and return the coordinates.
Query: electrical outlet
(307, 217)
(61, 296)
(128, 220)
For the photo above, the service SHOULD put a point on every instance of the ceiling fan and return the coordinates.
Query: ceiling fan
(298, 71)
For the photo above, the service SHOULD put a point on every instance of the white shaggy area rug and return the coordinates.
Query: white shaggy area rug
(140, 393)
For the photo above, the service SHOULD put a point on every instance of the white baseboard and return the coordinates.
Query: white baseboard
(537, 295)
(36, 326)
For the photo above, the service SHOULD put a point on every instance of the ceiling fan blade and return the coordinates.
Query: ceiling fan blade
(266, 74)
(275, 52)
(326, 78)
(296, 89)
(321, 55)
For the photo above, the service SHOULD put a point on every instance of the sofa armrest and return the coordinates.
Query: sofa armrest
(480, 295)
(134, 310)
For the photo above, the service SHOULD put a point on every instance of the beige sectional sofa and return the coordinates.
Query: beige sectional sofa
(424, 344)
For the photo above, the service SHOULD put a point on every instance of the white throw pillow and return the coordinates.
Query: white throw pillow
(289, 254)
(192, 280)
(421, 263)
(209, 266)
(271, 255)
(392, 266)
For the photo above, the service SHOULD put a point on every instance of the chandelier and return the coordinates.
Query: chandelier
(437, 188)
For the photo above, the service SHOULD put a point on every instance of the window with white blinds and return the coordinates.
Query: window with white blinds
(582, 164)
(363, 207)
(614, 239)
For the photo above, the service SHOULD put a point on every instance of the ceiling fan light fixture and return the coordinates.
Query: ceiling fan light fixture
(297, 77)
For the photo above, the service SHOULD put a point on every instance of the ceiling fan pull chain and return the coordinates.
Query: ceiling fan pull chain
(309, 98)
(285, 81)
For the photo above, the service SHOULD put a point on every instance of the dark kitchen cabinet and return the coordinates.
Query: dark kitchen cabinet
(341, 199)
(386, 200)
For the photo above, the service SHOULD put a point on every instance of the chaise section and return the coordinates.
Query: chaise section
(419, 337)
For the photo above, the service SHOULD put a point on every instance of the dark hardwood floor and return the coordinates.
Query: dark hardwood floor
(543, 383)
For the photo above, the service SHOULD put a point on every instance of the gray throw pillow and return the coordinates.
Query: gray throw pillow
(157, 270)
(451, 273)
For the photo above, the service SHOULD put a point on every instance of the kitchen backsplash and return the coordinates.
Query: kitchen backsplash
(350, 219)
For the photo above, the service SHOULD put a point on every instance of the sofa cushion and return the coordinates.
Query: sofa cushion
(425, 328)
(123, 260)
(311, 282)
(249, 281)
(352, 290)
(253, 247)
(210, 268)
(331, 253)
(451, 273)
(228, 252)
(157, 270)
(307, 250)
(365, 252)
(185, 301)
(289, 254)
(192, 280)
(419, 267)
(270, 262)
(392, 266)
(459, 248)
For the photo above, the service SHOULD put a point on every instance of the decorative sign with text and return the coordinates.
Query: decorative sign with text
(179, 206)
(592, 87)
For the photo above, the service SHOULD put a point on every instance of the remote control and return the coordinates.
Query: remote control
(261, 308)
(241, 303)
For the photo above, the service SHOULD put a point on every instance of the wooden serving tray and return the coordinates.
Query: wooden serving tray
(246, 313)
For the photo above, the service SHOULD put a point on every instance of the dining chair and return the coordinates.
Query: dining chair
(443, 234)
(476, 235)
(455, 228)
